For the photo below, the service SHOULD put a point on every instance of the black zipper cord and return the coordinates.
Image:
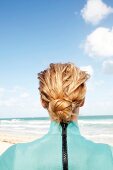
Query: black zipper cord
(64, 146)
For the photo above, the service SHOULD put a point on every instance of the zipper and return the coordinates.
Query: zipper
(64, 146)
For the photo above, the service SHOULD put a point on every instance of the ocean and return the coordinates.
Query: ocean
(96, 128)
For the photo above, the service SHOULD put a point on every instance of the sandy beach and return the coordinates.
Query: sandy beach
(14, 131)
(4, 146)
(6, 140)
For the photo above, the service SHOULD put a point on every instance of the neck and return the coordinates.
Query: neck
(75, 117)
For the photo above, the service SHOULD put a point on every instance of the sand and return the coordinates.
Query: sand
(4, 146)
(6, 140)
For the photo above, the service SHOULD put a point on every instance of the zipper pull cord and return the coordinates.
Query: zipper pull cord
(64, 146)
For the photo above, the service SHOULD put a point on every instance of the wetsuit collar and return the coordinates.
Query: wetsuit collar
(55, 128)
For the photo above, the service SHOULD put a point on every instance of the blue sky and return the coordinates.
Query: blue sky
(34, 34)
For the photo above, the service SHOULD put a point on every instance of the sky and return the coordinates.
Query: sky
(35, 33)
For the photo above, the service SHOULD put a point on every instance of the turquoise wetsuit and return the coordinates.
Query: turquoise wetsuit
(45, 153)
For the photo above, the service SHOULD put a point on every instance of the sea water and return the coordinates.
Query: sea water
(96, 128)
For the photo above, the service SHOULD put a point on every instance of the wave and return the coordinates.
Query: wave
(95, 122)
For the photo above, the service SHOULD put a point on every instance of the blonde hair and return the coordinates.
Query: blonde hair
(62, 88)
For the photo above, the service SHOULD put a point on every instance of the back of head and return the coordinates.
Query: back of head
(62, 89)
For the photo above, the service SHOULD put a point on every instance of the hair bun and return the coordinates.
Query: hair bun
(61, 109)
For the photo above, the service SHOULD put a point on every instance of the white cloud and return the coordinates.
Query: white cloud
(88, 69)
(99, 83)
(19, 102)
(93, 85)
(95, 10)
(24, 95)
(90, 86)
(2, 89)
(98, 101)
(98, 107)
(8, 102)
(99, 43)
(108, 66)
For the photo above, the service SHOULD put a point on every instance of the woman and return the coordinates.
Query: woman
(62, 91)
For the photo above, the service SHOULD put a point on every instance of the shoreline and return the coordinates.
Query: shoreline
(4, 146)
(6, 140)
